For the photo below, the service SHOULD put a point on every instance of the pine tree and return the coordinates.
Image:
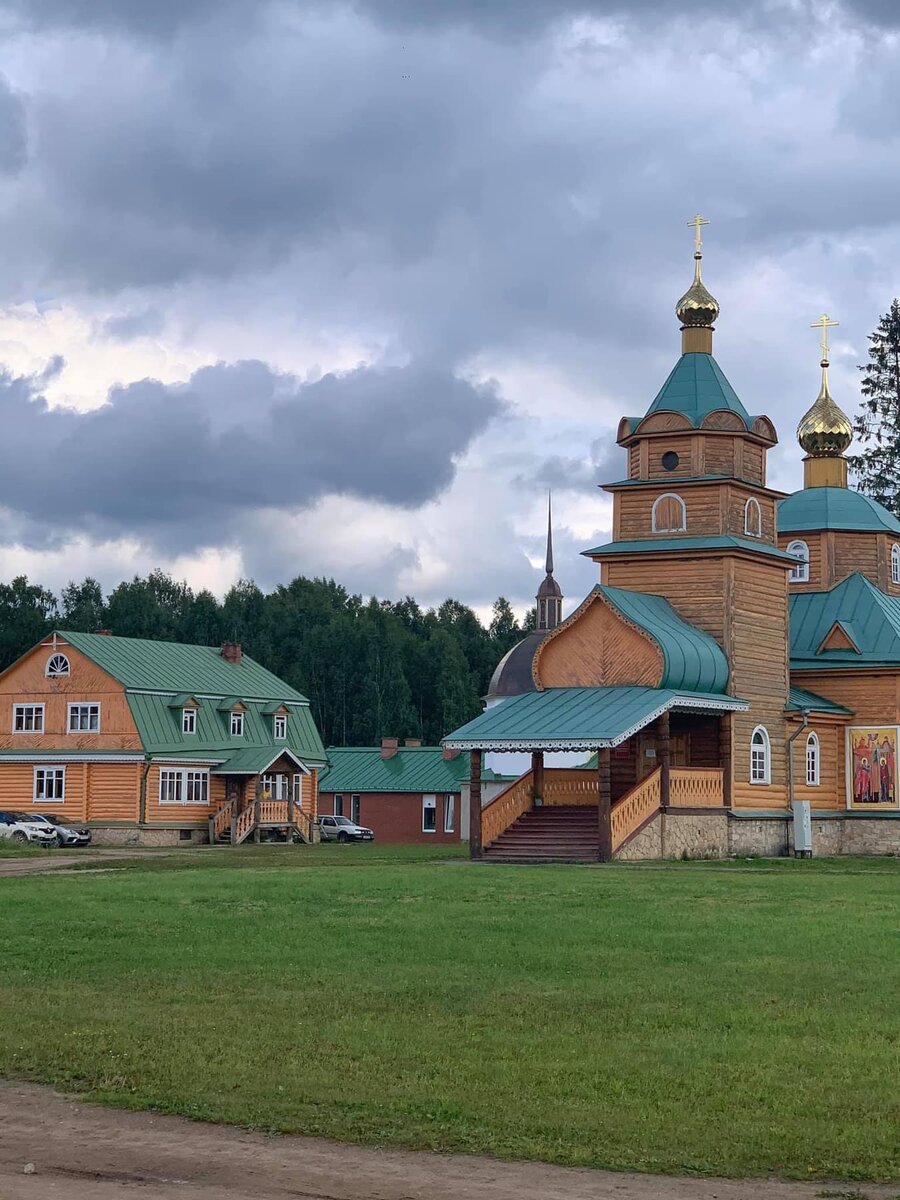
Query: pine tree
(877, 468)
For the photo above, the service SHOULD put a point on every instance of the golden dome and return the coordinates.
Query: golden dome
(697, 308)
(825, 431)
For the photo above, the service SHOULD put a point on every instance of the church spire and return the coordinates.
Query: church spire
(549, 596)
(697, 309)
(825, 431)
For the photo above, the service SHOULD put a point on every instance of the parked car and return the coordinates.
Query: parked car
(25, 829)
(67, 835)
(342, 829)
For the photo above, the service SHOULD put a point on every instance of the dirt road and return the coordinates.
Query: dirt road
(82, 1152)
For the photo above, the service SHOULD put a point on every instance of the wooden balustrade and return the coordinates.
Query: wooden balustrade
(245, 823)
(633, 809)
(506, 807)
(696, 787)
(570, 786)
(259, 812)
(220, 821)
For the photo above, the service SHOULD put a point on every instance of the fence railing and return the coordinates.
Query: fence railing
(507, 806)
(633, 809)
(696, 787)
(570, 786)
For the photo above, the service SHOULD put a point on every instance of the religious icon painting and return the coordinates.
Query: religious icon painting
(872, 774)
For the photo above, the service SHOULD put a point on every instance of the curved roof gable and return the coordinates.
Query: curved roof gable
(694, 661)
(834, 508)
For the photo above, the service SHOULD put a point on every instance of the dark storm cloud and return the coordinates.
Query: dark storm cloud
(180, 465)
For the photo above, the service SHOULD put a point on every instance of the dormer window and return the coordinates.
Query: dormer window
(800, 571)
(752, 518)
(189, 720)
(57, 665)
(280, 731)
(237, 724)
(669, 514)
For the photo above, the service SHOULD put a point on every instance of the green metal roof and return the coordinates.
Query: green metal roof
(579, 718)
(799, 699)
(696, 387)
(174, 667)
(693, 661)
(253, 760)
(834, 508)
(159, 726)
(657, 545)
(411, 769)
(856, 603)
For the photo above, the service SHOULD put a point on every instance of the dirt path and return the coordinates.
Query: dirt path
(82, 1152)
(59, 862)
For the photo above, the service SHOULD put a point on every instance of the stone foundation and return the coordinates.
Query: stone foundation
(722, 834)
(134, 835)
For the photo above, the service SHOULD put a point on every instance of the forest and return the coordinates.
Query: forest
(371, 668)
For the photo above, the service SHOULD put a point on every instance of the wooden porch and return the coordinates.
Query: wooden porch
(254, 804)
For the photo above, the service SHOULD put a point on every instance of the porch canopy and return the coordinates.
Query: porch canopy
(580, 718)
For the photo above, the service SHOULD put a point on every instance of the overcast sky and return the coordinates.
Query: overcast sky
(309, 287)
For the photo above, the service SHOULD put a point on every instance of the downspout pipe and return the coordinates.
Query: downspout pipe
(804, 713)
(142, 807)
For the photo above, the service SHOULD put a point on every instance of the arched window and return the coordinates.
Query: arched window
(669, 514)
(57, 664)
(895, 563)
(812, 760)
(752, 518)
(760, 756)
(800, 571)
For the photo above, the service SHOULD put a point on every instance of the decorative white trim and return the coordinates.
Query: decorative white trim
(814, 761)
(767, 760)
(695, 703)
(77, 705)
(186, 712)
(895, 563)
(654, 526)
(57, 674)
(41, 756)
(800, 572)
(752, 505)
(35, 799)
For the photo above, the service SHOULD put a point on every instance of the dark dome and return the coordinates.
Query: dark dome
(549, 587)
(512, 675)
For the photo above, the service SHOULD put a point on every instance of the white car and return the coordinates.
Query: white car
(20, 828)
(342, 829)
(66, 835)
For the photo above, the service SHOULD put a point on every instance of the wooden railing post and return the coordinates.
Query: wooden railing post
(537, 777)
(664, 751)
(475, 804)
(290, 809)
(725, 756)
(257, 801)
(604, 806)
(234, 817)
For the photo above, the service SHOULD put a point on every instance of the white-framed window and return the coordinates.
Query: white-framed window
(298, 790)
(28, 718)
(49, 785)
(752, 518)
(813, 759)
(189, 720)
(449, 812)
(186, 785)
(276, 786)
(280, 727)
(57, 664)
(895, 563)
(237, 724)
(429, 814)
(760, 756)
(338, 805)
(354, 809)
(84, 718)
(800, 571)
(669, 514)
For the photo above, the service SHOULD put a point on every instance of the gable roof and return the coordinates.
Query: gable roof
(411, 769)
(177, 667)
(693, 661)
(834, 508)
(697, 386)
(857, 604)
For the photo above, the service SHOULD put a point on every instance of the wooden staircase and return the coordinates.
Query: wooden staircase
(232, 826)
(564, 833)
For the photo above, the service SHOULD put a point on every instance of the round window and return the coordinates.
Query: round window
(670, 460)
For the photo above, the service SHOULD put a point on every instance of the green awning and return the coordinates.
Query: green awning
(800, 699)
(255, 760)
(579, 718)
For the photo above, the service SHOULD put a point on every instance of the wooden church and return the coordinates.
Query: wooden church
(740, 652)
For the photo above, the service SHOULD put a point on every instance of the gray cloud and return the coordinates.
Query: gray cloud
(126, 326)
(181, 466)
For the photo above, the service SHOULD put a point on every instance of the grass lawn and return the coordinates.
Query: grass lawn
(685, 1018)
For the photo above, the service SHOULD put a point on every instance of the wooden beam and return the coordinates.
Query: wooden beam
(475, 804)
(604, 807)
(537, 777)
(725, 757)
(664, 754)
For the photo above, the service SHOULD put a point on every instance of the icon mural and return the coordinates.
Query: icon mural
(873, 763)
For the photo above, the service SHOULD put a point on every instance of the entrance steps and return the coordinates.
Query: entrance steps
(563, 833)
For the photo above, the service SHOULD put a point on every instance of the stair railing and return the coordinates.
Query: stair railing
(631, 811)
(220, 821)
(506, 807)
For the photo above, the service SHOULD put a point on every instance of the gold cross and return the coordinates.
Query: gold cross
(697, 223)
(824, 323)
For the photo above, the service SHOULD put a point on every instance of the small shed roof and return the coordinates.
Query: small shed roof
(799, 699)
(411, 769)
(579, 718)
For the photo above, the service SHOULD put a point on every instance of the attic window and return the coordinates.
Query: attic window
(57, 664)
(237, 724)
(189, 720)
(280, 723)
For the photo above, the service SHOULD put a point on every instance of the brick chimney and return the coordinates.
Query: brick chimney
(413, 742)
(449, 754)
(389, 747)
(232, 652)
(104, 632)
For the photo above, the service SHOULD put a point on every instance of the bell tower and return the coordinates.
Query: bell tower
(549, 596)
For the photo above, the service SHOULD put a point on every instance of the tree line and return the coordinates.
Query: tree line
(371, 668)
